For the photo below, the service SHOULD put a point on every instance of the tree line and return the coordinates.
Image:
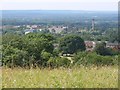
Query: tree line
(38, 50)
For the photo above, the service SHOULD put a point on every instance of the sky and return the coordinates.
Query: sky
(91, 5)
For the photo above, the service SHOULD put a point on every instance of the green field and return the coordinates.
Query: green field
(83, 77)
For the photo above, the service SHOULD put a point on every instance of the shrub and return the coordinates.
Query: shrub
(102, 50)
(58, 62)
(84, 58)
(14, 57)
(45, 57)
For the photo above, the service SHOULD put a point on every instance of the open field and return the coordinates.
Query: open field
(83, 77)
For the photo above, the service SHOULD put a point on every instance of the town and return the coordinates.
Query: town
(59, 49)
(63, 30)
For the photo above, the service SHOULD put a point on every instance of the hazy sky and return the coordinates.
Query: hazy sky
(111, 5)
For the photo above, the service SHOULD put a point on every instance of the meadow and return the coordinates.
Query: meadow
(82, 77)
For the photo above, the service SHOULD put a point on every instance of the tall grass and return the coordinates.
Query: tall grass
(83, 77)
(0, 78)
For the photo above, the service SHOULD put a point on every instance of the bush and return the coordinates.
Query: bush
(84, 58)
(45, 57)
(58, 62)
(14, 57)
(102, 50)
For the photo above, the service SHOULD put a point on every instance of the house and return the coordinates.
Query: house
(115, 46)
(90, 45)
(34, 26)
(56, 29)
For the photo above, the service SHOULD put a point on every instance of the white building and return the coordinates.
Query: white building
(29, 31)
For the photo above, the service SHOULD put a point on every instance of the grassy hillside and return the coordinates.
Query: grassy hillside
(83, 77)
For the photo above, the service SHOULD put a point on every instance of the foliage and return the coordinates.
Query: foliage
(37, 49)
(114, 34)
(45, 57)
(102, 50)
(58, 62)
(71, 44)
(14, 57)
(85, 58)
(32, 45)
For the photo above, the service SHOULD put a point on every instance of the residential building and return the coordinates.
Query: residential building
(115, 46)
(90, 45)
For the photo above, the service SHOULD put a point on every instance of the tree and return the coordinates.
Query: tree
(36, 44)
(27, 49)
(114, 34)
(13, 57)
(71, 44)
(102, 50)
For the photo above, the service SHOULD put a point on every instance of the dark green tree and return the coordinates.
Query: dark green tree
(101, 49)
(71, 44)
